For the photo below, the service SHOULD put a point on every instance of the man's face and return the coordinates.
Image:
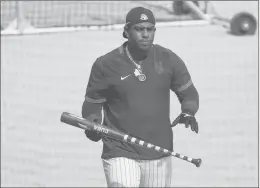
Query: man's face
(141, 35)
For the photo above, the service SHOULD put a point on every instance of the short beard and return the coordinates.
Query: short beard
(138, 53)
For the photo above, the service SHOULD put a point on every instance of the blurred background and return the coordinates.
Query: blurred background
(47, 50)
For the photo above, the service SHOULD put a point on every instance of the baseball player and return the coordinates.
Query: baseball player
(129, 90)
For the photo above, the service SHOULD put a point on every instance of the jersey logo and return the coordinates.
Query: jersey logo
(122, 78)
(143, 17)
(159, 67)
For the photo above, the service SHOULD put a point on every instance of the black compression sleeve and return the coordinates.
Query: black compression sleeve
(189, 99)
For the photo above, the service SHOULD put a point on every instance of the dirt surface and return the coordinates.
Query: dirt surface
(45, 75)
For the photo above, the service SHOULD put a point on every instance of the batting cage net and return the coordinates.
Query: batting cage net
(21, 17)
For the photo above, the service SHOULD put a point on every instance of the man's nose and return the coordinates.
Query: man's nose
(145, 33)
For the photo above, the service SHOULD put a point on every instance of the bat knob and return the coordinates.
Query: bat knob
(197, 162)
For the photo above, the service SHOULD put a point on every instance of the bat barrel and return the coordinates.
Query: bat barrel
(83, 123)
(68, 119)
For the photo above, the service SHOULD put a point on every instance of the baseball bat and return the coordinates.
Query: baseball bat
(83, 123)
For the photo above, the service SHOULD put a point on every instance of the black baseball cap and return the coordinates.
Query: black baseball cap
(139, 15)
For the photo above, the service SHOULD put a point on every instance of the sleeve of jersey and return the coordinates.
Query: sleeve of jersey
(183, 87)
(97, 85)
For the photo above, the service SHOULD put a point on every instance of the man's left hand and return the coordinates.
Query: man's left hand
(188, 120)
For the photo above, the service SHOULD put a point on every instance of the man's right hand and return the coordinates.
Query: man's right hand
(93, 135)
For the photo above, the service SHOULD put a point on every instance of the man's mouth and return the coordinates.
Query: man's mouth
(144, 42)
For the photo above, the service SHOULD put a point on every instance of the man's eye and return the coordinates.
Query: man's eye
(141, 29)
(149, 29)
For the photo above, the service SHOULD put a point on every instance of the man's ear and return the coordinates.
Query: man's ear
(126, 33)
(126, 29)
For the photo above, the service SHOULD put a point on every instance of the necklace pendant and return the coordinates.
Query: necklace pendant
(137, 72)
(139, 75)
(142, 77)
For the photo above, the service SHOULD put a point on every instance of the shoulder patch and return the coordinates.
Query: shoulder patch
(158, 59)
(158, 67)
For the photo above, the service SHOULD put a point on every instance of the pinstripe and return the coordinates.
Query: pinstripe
(170, 171)
(148, 172)
(121, 172)
(143, 176)
(116, 172)
(133, 173)
(149, 175)
(137, 173)
(113, 172)
(157, 173)
(162, 176)
(105, 170)
(125, 167)
(131, 169)
(152, 173)
(117, 167)
(126, 176)
(159, 179)
(109, 171)
(165, 176)
(123, 179)
(120, 168)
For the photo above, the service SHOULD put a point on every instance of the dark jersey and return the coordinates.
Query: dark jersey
(139, 109)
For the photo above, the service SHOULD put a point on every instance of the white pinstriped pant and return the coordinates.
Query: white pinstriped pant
(124, 172)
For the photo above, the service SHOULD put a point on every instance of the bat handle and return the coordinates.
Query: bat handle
(197, 162)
